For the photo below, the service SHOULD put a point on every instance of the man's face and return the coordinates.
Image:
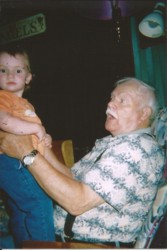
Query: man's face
(124, 110)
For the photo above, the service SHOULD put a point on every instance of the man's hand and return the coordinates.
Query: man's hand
(16, 146)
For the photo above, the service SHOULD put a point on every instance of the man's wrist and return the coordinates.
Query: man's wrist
(28, 159)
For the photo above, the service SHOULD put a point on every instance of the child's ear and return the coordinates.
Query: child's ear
(28, 78)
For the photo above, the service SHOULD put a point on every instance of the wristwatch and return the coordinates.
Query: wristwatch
(29, 159)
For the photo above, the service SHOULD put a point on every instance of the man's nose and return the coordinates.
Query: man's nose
(112, 104)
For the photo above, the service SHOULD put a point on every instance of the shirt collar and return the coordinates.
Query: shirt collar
(139, 131)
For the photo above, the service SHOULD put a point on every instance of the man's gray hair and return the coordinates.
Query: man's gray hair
(148, 93)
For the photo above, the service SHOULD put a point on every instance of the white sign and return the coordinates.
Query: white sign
(21, 29)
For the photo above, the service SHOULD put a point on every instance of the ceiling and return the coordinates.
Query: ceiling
(95, 9)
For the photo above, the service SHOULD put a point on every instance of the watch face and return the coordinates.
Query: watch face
(28, 160)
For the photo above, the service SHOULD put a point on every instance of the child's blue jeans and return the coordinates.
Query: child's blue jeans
(31, 209)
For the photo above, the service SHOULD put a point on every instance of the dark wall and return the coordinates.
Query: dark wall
(76, 62)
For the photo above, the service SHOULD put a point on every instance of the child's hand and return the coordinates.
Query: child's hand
(48, 140)
(41, 132)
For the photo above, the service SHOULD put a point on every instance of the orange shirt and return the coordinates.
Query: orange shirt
(21, 108)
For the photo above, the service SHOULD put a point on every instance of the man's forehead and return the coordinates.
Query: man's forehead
(128, 87)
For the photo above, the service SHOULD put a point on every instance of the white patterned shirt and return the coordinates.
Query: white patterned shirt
(125, 171)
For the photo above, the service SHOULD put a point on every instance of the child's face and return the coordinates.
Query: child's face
(14, 73)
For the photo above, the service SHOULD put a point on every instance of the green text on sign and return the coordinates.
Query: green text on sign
(23, 28)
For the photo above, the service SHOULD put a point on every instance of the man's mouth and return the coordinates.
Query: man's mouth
(111, 113)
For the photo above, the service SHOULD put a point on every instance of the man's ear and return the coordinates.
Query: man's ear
(146, 113)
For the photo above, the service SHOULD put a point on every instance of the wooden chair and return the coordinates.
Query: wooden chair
(64, 151)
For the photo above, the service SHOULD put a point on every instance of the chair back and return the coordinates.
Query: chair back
(155, 216)
(64, 151)
(68, 152)
(159, 128)
(159, 207)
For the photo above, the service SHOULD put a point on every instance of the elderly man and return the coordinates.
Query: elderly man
(111, 189)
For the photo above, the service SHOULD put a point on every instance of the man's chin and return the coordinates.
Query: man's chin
(107, 127)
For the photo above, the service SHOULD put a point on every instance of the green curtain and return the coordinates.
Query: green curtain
(150, 64)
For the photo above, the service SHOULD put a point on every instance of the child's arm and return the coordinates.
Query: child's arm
(19, 126)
